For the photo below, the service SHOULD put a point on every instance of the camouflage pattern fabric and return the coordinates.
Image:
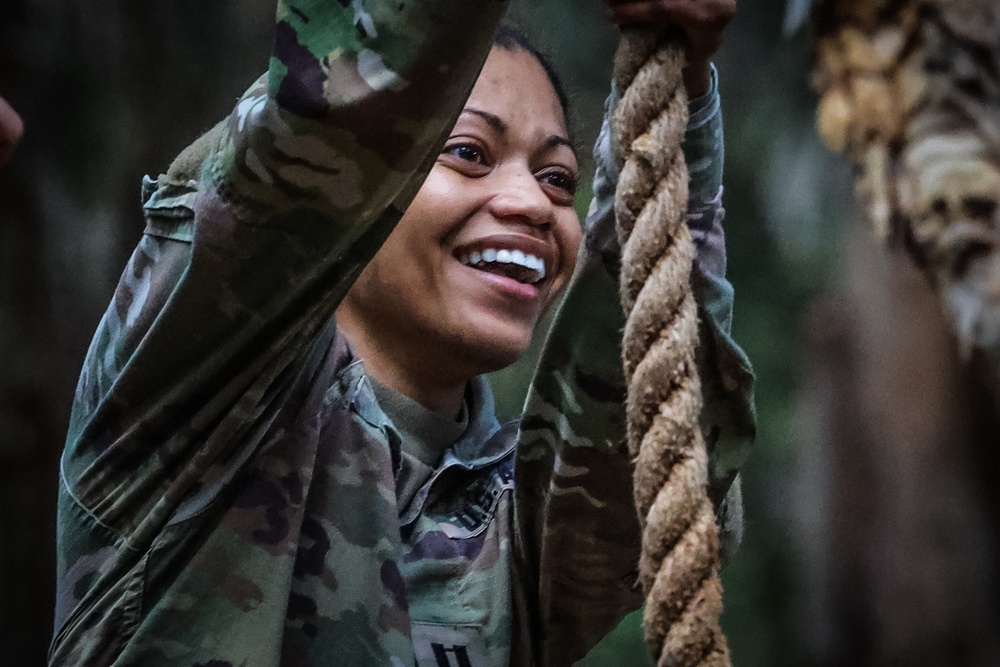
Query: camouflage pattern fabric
(227, 489)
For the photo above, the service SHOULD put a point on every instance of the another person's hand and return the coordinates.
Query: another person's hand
(701, 21)
(11, 129)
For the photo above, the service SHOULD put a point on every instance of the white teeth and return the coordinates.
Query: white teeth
(504, 256)
(537, 264)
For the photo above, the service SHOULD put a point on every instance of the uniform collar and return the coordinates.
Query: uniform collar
(483, 444)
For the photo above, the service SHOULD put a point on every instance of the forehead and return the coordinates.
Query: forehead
(514, 87)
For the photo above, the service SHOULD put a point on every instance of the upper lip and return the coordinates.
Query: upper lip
(529, 245)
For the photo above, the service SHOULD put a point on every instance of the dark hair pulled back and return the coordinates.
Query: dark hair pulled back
(510, 38)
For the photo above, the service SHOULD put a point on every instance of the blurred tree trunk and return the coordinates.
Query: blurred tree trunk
(109, 90)
(896, 498)
(902, 544)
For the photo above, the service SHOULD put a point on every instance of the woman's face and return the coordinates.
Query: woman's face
(490, 239)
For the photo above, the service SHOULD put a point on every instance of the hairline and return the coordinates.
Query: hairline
(512, 40)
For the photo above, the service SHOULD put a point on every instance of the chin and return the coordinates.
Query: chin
(489, 349)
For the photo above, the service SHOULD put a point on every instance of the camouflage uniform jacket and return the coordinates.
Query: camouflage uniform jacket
(227, 489)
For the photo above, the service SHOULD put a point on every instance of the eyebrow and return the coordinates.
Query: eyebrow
(501, 127)
(555, 140)
(492, 120)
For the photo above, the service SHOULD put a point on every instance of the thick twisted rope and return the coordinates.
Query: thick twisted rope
(679, 566)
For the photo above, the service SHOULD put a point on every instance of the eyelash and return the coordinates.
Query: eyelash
(568, 182)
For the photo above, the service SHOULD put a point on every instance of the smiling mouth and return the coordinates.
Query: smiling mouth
(515, 264)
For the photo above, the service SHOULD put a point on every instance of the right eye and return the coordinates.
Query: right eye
(467, 152)
(469, 158)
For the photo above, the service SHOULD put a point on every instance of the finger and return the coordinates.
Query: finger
(687, 13)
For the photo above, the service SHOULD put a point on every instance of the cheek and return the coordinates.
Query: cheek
(440, 205)
(569, 236)
(406, 268)
(419, 234)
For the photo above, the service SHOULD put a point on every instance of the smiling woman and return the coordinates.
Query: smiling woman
(423, 316)
(282, 448)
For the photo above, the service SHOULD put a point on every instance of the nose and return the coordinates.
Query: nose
(519, 198)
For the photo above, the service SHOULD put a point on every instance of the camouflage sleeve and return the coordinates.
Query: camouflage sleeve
(290, 197)
(578, 534)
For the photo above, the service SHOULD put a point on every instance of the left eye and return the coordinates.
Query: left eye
(559, 179)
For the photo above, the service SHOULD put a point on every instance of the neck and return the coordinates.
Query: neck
(443, 397)
(416, 374)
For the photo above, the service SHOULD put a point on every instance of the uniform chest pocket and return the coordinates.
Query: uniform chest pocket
(457, 568)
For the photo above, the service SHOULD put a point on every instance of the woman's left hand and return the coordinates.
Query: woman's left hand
(702, 23)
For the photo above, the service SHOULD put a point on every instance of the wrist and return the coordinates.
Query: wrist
(697, 78)
(702, 108)
(703, 143)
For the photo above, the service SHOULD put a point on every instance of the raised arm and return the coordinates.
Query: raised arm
(252, 239)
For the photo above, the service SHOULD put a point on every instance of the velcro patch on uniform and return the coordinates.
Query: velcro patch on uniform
(449, 646)
(469, 513)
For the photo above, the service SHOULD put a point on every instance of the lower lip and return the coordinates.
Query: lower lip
(509, 286)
